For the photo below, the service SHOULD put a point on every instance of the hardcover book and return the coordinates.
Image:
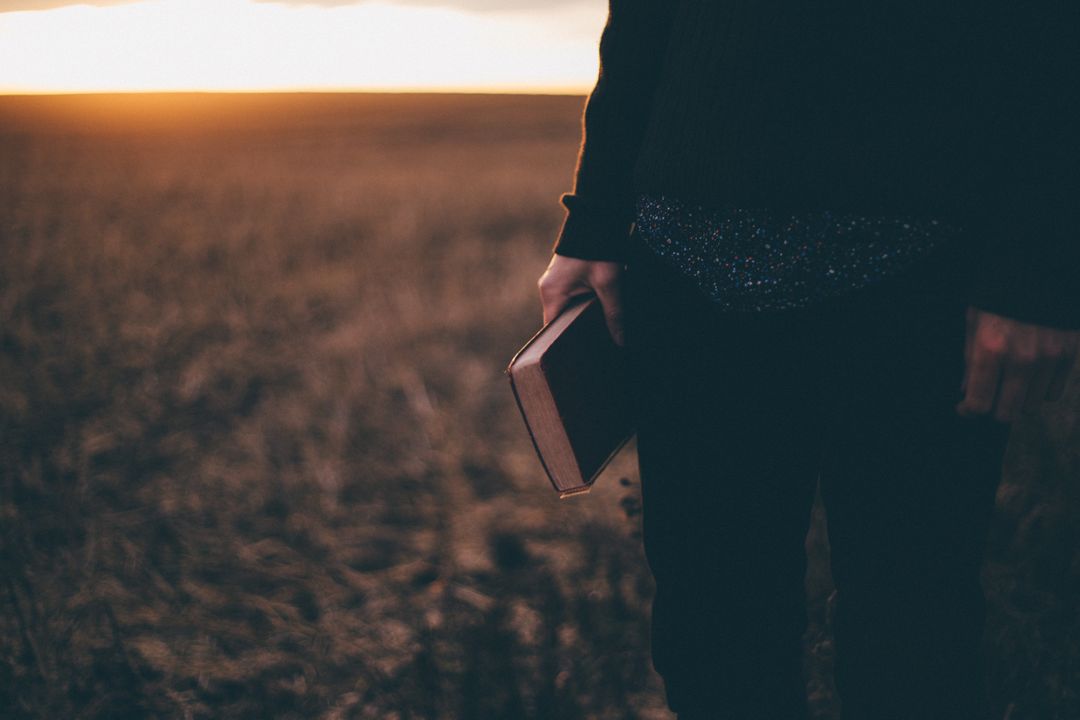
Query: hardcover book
(571, 384)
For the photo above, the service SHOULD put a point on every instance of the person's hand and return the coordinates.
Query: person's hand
(567, 277)
(1029, 362)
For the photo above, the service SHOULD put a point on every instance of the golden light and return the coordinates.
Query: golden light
(247, 45)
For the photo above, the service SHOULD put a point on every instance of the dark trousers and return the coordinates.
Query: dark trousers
(739, 418)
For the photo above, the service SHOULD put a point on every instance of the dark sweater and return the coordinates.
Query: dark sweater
(960, 110)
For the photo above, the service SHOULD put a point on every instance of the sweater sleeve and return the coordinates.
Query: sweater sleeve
(600, 208)
(1029, 265)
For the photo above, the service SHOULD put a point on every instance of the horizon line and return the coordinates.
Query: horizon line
(416, 90)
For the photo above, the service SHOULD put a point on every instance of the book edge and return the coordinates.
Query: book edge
(582, 489)
(575, 489)
(578, 302)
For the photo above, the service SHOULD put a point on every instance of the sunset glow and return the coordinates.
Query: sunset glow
(249, 45)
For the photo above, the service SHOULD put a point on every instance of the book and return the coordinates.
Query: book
(571, 385)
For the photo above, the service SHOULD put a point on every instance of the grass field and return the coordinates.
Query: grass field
(258, 457)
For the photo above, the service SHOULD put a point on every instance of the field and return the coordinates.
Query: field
(258, 457)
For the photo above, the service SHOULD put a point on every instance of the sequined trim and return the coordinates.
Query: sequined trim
(754, 259)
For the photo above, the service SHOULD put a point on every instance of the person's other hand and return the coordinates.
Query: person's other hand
(1012, 366)
(567, 277)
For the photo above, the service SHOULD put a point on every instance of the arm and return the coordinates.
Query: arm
(587, 255)
(600, 208)
(1029, 268)
(1023, 321)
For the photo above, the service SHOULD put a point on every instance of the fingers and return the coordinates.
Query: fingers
(983, 373)
(1042, 377)
(1015, 382)
(984, 352)
(1019, 367)
(555, 302)
(1012, 366)
(567, 278)
(1063, 368)
(609, 290)
(1051, 369)
(564, 279)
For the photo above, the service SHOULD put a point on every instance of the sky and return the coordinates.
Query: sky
(262, 45)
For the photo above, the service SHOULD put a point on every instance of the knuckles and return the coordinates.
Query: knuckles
(1052, 349)
(1024, 358)
(549, 286)
(1022, 349)
(993, 345)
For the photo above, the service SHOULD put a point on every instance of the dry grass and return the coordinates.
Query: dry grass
(258, 457)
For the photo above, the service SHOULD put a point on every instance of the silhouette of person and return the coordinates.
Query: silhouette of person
(838, 243)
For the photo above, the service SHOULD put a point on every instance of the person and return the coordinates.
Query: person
(838, 242)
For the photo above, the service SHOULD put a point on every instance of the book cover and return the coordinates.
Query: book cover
(570, 382)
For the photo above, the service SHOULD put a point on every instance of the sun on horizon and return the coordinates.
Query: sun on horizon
(327, 45)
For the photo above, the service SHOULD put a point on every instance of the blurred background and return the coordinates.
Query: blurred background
(258, 457)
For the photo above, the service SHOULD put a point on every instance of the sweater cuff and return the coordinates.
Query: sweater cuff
(1034, 280)
(591, 232)
(1036, 303)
